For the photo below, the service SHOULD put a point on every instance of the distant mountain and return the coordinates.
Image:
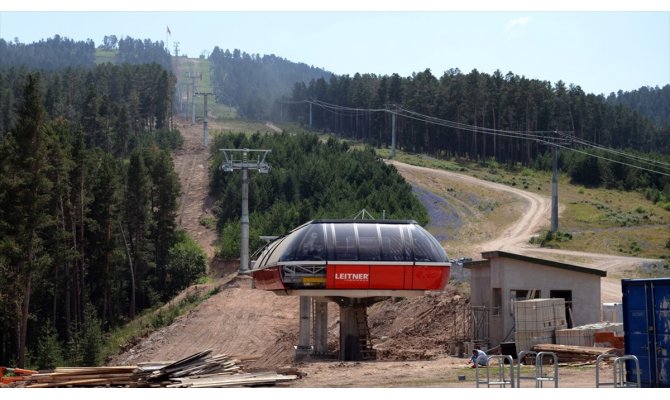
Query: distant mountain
(650, 102)
(253, 83)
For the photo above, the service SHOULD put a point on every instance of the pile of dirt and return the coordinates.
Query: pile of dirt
(418, 328)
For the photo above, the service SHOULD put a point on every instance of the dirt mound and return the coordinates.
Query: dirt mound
(418, 328)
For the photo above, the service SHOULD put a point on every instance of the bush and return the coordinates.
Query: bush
(92, 344)
(549, 239)
(230, 241)
(49, 354)
(187, 262)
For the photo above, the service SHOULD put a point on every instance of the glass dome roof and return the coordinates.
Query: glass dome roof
(354, 240)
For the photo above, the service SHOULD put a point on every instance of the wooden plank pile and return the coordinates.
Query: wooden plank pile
(197, 370)
(576, 354)
(83, 377)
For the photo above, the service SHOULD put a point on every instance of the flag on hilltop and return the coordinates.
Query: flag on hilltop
(168, 31)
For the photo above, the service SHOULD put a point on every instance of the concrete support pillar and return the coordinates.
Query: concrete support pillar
(321, 327)
(303, 349)
(244, 224)
(350, 334)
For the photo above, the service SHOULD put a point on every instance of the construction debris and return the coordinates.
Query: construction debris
(197, 370)
(576, 354)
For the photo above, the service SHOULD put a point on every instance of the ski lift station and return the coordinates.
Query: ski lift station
(353, 263)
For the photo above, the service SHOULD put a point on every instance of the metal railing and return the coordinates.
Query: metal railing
(539, 365)
(538, 377)
(618, 371)
(502, 380)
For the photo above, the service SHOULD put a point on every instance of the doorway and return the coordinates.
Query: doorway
(567, 296)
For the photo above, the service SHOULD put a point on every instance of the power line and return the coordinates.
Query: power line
(552, 138)
(613, 160)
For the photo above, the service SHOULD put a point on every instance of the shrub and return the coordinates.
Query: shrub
(92, 338)
(187, 262)
(49, 354)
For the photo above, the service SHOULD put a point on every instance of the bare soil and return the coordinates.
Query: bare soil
(410, 334)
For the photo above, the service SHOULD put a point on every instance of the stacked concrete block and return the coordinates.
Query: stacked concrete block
(537, 320)
(585, 335)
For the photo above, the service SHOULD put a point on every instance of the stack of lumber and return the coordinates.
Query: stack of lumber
(242, 379)
(162, 374)
(575, 354)
(197, 370)
(83, 377)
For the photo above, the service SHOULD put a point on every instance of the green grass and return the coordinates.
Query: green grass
(423, 160)
(103, 56)
(125, 337)
(184, 67)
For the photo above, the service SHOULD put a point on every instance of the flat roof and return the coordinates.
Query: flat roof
(549, 263)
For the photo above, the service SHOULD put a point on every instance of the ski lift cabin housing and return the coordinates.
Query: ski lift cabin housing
(355, 259)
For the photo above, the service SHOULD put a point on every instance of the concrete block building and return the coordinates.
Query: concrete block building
(502, 278)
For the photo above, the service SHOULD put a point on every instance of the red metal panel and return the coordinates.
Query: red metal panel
(268, 279)
(430, 277)
(409, 277)
(387, 277)
(330, 276)
(349, 276)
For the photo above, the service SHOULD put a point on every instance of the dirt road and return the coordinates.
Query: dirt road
(535, 208)
(534, 216)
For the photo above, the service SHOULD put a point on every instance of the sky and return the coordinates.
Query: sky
(602, 51)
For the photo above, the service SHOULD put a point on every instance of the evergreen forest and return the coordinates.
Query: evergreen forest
(310, 179)
(60, 52)
(88, 200)
(254, 84)
(361, 107)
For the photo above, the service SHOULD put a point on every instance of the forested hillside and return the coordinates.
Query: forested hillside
(88, 199)
(651, 102)
(494, 104)
(59, 52)
(252, 83)
(310, 179)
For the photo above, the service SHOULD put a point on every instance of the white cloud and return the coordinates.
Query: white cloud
(516, 22)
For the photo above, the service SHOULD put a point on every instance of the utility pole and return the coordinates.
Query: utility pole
(243, 163)
(176, 49)
(310, 115)
(205, 133)
(554, 189)
(563, 140)
(195, 89)
(393, 122)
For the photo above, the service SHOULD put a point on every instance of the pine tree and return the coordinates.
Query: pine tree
(24, 205)
(138, 222)
(166, 191)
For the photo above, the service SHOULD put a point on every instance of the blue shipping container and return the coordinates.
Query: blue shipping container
(646, 323)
